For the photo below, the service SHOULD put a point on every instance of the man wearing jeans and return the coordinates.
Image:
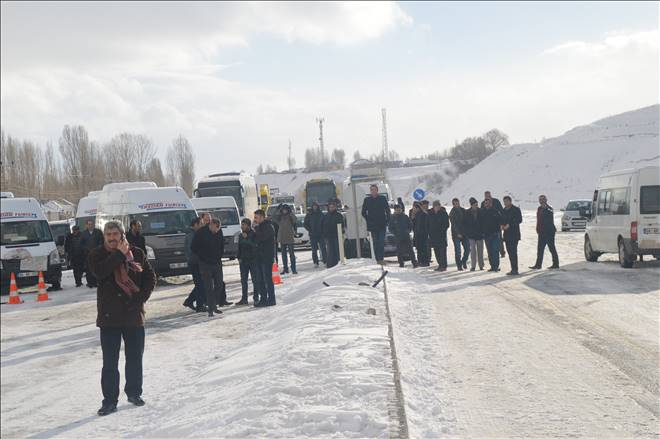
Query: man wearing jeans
(458, 236)
(376, 212)
(545, 228)
(125, 282)
(491, 222)
(314, 225)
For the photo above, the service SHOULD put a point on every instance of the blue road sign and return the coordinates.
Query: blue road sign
(419, 194)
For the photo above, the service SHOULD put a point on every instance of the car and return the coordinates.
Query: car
(572, 219)
(301, 238)
(626, 216)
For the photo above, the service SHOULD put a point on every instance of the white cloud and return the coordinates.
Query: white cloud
(613, 41)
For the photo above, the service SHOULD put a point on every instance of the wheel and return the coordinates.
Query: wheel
(625, 259)
(589, 254)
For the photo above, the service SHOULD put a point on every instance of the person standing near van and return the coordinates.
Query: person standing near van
(314, 224)
(208, 245)
(134, 236)
(400, 226)
(264, 235)
(458, 236)
(473, 229)
(286, 222)
(421, 235)
(125, 282)
(491, 221)
(376, 212)
(247, 261)
(75, 253)
(330, 233)
(438, 225)
(196, 300)
(545, 229)
(91, 238)
(511, 219)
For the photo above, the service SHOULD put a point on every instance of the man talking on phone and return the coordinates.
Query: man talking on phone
(125, 282)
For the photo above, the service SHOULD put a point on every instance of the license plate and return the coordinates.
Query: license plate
(651, 231)
(27, 274)
(179, 265)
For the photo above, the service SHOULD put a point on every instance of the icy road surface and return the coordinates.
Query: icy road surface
(566, 353)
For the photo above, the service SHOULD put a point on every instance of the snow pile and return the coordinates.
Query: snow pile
(564, 167)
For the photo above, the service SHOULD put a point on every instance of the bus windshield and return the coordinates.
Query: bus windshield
(167, 222)
(320, 193)
(25, 232)
(222, 189)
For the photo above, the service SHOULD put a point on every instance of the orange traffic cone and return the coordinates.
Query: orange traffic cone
(13, 292)
(276, 274)
(43, 294)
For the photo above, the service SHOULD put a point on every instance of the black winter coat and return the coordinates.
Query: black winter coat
(438, 225)
(90, 241)
(377, 212)
(74, 248)
(247, 247)
(456, 215)
(207, 246)
(421, 227)
(545, 220)
(472, 224)
(314, 223)
(264, 236)
(137, 241)
(496, 204)
(400, 226)
(491, 220)
(330, 224)
(512, 217)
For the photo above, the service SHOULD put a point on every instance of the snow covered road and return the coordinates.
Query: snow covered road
(572, 353)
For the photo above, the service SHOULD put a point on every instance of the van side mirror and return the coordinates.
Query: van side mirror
(60, 240)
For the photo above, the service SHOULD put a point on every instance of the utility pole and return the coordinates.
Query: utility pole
(320, 121)
(290, 159)
(385, 151)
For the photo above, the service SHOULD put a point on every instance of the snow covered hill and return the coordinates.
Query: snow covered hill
(567, 166)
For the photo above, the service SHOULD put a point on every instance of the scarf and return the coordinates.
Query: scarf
(121, 273)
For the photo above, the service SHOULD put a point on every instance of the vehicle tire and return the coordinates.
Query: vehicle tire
(625, 259)
(589, 254)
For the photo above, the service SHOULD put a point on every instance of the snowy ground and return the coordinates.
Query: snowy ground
(566, 353)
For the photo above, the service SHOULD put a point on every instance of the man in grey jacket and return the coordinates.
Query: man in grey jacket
(286, 231)
(197, 298)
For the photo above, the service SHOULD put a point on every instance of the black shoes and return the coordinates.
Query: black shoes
(284, 272)
(535, 267)
(512, 273)
(201, 308)
(53, 288)
(242, 302)
(464, 265)
(136, 400)
(553, 267)
(189, 304)
(107, 408)
(294, 272)
(227, 303)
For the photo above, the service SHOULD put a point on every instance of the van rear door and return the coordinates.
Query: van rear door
(648, 227)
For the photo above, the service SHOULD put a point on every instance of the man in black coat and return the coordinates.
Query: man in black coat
(376, 211)
(511, 219)
(473, 229)
(90, 239)
(498, 206)
(458, 236)
(330, 233)
(314, 224)
(545, 228)
(421, 237)
(438, 225)
(264, 236)
(75, 253)
(491, 222)
(134, 236)
(208, 246)
(400, 226)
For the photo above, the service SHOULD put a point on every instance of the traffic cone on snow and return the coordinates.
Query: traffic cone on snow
(43, 294)
(276, 274)
(13, 292)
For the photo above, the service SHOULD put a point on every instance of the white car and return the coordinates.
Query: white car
(573, 218)
(301, 238)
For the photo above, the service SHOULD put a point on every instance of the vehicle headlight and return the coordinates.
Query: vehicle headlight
(150, 253)
(54, 257)
(236, 238)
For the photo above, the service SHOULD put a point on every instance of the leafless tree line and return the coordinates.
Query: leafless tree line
(81, 165)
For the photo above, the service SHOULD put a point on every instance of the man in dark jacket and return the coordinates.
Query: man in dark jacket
(134, 236)
(208, 246)
(400, 226)
(196, 300)
(125, 282)
(75, 253)
(498, 206)
(314, 224)
(247, 261)
(491, 223)
(286, 232)
(90, 239)
(473, 229)
(376, 212)
(458, 236)
(438, 225)
(264, 236)
(511, 219)
(330, 233)
(545, 228)
(421, 236)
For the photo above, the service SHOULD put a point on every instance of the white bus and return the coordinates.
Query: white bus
(86, 210)
(625, 217)
(241, 186)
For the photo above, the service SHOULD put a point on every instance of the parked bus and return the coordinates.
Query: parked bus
(319, 190)
(239, 185)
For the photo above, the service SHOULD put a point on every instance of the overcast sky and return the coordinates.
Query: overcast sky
(240, 79)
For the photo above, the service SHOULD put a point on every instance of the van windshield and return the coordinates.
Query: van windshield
(228, 216)
(649, 200)
(82, 221)
(164, 223)
(25, 232)
(59, 230)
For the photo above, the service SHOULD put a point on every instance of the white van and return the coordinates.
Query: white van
(165, 214)
(87, 209)
(626, 216)
(27, 245)
(241, 186)
(226, 210)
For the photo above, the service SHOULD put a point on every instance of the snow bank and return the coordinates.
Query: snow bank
(565, 167)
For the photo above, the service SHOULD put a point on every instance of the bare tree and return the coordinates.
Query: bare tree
(357, 155)
(338, 157)
(77, 157)
(154, 172)
(495, 138)
(181, 164)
